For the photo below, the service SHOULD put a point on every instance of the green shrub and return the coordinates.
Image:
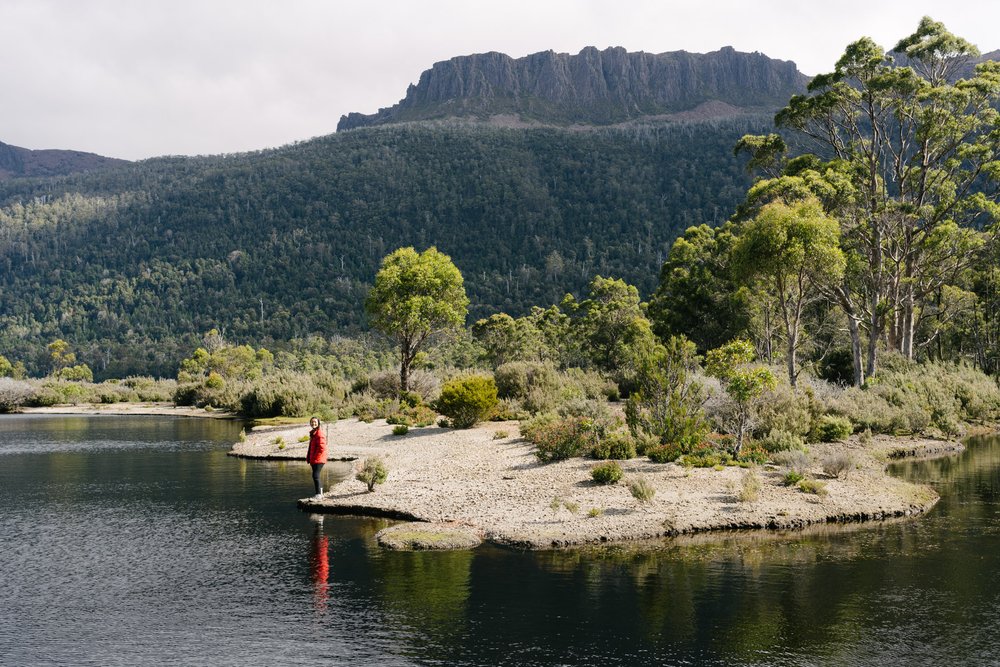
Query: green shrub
(606, 473)
(706, 458)
(664, 453)
(781, 441)
(558, 439)
(444, 422)
(467, 400)
(517, 378)
(791, 478)
(617, 445)
(400, 429)
(372, 472)
(641, 489)
(813, 486)
(831, 428)
(501, 435)
(785, 411)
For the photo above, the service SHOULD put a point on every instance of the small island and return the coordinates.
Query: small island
(487, 482)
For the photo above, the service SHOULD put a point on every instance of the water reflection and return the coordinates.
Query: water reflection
(319, 565)
(101, 544)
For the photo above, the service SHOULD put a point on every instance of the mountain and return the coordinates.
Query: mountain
(17, 162)
(593, 88)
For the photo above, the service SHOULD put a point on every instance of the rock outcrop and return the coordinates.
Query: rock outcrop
(593, 87)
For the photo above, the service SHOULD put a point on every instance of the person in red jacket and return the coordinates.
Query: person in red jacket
(316, 455)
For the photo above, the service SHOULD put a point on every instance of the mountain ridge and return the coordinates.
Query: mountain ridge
(16, 162)
(592, 87)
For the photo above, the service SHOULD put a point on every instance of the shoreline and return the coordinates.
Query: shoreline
(139, 409)
(492, 488)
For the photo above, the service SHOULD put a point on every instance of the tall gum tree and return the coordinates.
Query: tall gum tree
(916, 135)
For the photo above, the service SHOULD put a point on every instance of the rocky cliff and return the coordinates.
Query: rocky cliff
(592, 87)
(16, 161)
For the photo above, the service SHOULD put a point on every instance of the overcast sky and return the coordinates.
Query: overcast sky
(141, 78)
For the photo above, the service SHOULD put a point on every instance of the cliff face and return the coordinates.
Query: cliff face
(16, 162)
(592, 87)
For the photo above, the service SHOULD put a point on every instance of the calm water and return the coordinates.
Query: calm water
(137, 541)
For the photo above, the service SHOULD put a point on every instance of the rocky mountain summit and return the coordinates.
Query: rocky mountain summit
(16, 162)
(592, 88)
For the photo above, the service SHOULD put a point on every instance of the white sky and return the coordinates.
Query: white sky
(140, 78)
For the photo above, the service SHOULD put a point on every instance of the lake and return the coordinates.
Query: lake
(136, 540)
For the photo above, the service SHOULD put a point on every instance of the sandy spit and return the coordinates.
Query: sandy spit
(164, 409)
(487, 480)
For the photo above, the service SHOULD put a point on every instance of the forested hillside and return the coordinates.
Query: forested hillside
(134, 263)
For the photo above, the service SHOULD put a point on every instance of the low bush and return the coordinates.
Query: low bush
(14, 394)
(706, 458)
(641, 489)
(792, 477)
(831, 428)
(424, 386)
(400, 429)
(467, 400)
(617, 445)
(781, 441)
(557, 439)
(750, 486)
(838, 464)
(282, 394)
(372, 472)
(813, 486)
(606, 473)
(664, 453)
(795, 460)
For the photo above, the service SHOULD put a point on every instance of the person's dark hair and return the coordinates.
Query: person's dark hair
(318, 422)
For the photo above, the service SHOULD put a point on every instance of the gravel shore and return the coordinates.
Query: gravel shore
(487, 481)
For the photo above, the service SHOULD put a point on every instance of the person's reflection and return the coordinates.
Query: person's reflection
(319, 562)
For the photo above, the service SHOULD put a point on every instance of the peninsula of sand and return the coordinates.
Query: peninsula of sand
(485, 483)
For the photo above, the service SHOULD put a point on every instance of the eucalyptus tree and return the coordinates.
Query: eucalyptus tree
(416, 295)
(795, 250)
(913, 135)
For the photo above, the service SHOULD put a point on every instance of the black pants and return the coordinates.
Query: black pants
(317, 470)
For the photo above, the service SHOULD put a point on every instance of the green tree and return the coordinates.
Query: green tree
(795, 250)
(60, 355)
(6, 368)
(614, 329)
(743, 381)
(918, 145)
(668, 399)
(507, 339)
(697, 296)
(416, 295)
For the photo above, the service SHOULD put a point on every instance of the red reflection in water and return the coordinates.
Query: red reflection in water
(319, 562)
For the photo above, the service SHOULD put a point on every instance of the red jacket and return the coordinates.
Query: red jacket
(317, 447)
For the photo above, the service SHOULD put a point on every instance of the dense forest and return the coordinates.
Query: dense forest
(132, 265)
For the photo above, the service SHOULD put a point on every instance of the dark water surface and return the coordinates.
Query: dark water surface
(135, 540)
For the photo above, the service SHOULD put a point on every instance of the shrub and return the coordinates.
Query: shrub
(792, 477)
(615, 445)
(641, 489)
(424, 387)
(400, 429)
(372, 472)
(813, 486)
(750, 486)
(831, 428)
(444, 423)
(706, 458)
(14, 394)
(467, 400)
(606, 473)
(664, 453)
(517, 378)
(795, 460)
(838, 464)
(501, 435)
(559, 439)
(786, 411)
(781, 441)
(595, 512)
